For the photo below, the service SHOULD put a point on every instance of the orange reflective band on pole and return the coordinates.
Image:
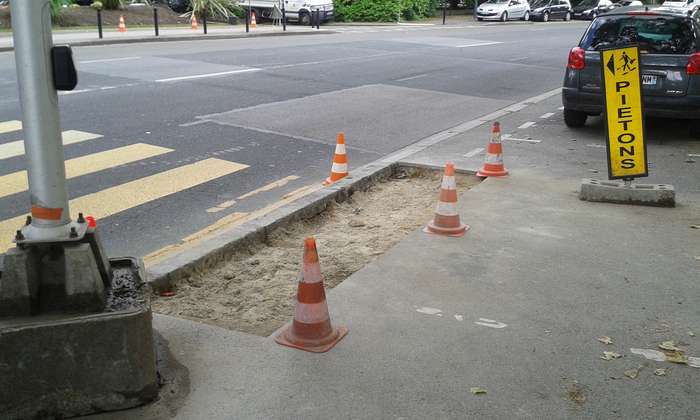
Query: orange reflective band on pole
(46, 214)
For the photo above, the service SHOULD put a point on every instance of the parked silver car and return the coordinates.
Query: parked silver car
(503, 10)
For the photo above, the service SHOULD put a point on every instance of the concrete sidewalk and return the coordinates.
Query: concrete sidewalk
(85, 37)
(513, 307)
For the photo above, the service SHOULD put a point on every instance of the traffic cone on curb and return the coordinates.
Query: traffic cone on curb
(493, 164)
(339, 170)
(311, 328)
(122, 24)
(195, 25)
(446, 221)
(253, 22)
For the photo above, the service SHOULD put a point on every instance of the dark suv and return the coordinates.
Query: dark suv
(669, 58)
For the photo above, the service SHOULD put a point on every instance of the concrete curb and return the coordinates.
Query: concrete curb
(220, 246)
(176, 38)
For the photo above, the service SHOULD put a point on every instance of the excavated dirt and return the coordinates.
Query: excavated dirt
(254, 291)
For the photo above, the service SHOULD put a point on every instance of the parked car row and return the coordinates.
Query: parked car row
(546, 10)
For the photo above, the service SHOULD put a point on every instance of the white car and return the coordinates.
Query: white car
(682, 4)
(504, 10)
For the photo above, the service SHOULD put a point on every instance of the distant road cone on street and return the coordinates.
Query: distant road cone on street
(339, 170)
(253, 22)
(311, 328)
(122, 24)
(195, 25)
(446, 221)
(493, 165)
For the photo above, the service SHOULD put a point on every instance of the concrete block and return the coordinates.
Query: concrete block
(19, 282)
(658, 195)
(60, 365)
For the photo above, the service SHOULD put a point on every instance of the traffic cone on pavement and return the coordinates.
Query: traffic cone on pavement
(122, 25)
(446, 221)
(311, 328)
(195, 25)
(493, 165)
(253, 22)
(339, 170)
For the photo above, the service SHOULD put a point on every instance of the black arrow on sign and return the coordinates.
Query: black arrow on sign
(611, 64)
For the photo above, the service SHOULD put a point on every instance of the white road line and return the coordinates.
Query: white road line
(411, 78)
(480, 44)
(333, 60)
(474, 152)
(693, 155)
(190, 124)
(527, 125)
(561, 108)
(73, 92)
(203, 76)
(518, 59)
(509, 138)
(547, 115)
(597, 146)
(107, 60)
(490, 323)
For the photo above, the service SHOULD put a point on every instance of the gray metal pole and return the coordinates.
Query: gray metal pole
(31, 26)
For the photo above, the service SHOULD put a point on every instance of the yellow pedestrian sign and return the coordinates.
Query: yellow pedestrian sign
(627, 154)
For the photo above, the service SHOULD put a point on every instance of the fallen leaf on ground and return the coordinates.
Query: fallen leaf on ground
(690, 333)
(695, 226)
(576, 393)
(477, 390)
(605, 339)
(677, 357)
(669, 346)
(661, 372)
(610, 355)
(632, 373)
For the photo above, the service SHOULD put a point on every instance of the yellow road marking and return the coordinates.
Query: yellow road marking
(227, 223)
(221, 207)
(122, 197)
(282, 182)
(16, 148)
(9, 126)
(17, 182)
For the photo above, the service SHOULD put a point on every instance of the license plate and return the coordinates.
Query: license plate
(649, 80)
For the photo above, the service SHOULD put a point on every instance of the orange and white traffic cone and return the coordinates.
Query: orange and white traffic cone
(311, 328)
(195, 25)
(253, 22)
(446, 221)
(122, 24)
(339, 170)
(493, 164)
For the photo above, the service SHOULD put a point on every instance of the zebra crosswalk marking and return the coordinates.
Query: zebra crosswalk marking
(10, 126)
(16, 148)
(125, 196)
(17, 182)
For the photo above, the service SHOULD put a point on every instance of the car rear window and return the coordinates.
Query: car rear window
(653, 33)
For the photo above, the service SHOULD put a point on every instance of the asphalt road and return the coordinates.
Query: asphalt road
(169, 138)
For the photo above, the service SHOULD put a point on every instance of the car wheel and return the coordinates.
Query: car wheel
(575, 119)
(545, 17)
(304, 19)
(526, 17)
(504, 17)
(695, 129)
(479, 19)
(568, 16)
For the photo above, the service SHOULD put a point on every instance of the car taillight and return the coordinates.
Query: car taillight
(694, 64)
(577, 58)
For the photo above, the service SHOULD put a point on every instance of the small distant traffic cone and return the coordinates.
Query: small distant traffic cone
(493, 165)
(339, 170)
(122, 25)
(446, 221)
(311, 328)
(195, 25)
(253, 22)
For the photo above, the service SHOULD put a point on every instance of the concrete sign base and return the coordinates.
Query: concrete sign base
(658, 195)
(63, 365)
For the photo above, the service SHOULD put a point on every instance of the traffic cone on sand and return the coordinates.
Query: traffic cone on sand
(122, 24)
(493, 164)
(339, 170)
(253, 21)
(311, 328)
(446, 221)
(195, 24)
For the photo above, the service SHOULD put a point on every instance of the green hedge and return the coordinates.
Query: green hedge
(383, 10)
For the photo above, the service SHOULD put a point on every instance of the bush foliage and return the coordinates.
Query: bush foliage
(383, 10)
